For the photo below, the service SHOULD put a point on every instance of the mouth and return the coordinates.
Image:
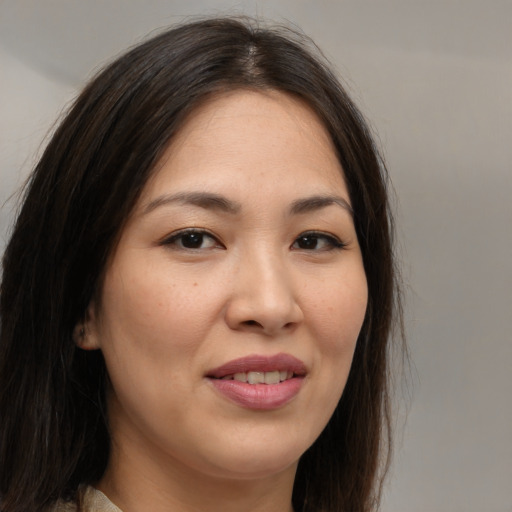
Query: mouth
(259, 382)
(258, 369)
(254, 377)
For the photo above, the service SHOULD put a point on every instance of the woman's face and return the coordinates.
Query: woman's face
(231, 307)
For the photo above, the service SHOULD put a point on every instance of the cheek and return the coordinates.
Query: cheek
(157, 308)
(338, 315)
(338, 310)
(151, 328)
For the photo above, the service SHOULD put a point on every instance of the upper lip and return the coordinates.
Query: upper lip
(259, 363)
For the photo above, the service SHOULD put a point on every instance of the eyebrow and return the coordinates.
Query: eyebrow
(206, 200)
(211, 201)
(313, 203)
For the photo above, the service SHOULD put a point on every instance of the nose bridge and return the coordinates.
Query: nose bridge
(264, 295)
(270, 277)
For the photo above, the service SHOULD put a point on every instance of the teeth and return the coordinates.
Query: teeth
(255, 377)
(273, 377)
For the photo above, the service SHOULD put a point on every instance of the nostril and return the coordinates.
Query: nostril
(252, 323)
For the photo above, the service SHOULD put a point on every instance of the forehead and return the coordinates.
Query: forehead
(250, 138)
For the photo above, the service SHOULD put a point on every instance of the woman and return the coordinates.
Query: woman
(199, 288)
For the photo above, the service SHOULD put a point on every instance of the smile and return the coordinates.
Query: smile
(259, 382)
(274, 377)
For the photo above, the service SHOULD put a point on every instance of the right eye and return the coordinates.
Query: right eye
(191, 239)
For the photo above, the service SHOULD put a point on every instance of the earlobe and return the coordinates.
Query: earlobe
(85, 332)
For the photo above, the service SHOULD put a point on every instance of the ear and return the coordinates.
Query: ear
(85, 333)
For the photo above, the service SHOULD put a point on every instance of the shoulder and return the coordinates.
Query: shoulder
(67, 506)
(93, 501)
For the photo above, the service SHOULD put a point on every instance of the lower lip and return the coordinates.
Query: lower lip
(259, 396)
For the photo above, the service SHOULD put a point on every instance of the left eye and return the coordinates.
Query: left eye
(191, 239)
(317, 242)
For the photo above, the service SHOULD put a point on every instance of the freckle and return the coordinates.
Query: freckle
(195, 284)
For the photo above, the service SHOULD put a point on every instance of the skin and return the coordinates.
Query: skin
(169, 314)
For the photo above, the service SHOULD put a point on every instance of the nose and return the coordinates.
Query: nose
(263, 297)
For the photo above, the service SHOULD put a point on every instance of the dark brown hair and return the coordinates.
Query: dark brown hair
(53, 433)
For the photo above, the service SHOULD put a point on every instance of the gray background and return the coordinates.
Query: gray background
(435, 79)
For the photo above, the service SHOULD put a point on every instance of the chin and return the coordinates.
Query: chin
(257, 462)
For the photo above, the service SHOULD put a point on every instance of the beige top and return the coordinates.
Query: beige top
(94, 501)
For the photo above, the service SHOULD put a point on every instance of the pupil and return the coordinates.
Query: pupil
(308, 242)
(192, 240)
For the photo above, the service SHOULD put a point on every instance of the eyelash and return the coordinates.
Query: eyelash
(331, 242)
(174, 239)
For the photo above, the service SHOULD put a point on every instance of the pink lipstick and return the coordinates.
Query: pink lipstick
(259, 382)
